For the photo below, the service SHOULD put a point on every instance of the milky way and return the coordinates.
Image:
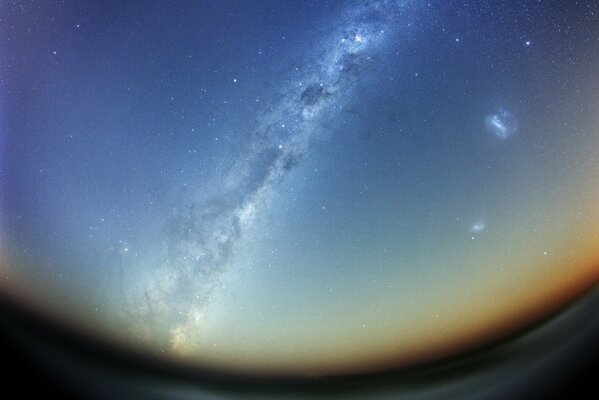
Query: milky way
(205, 233)
(298, 187)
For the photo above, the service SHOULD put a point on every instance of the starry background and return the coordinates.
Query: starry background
(314, 187)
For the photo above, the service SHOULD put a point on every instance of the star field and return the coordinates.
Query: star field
(304, 188)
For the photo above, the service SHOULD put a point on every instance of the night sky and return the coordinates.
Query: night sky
(305, 187)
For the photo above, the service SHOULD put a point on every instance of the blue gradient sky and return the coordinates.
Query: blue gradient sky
(317, 187)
